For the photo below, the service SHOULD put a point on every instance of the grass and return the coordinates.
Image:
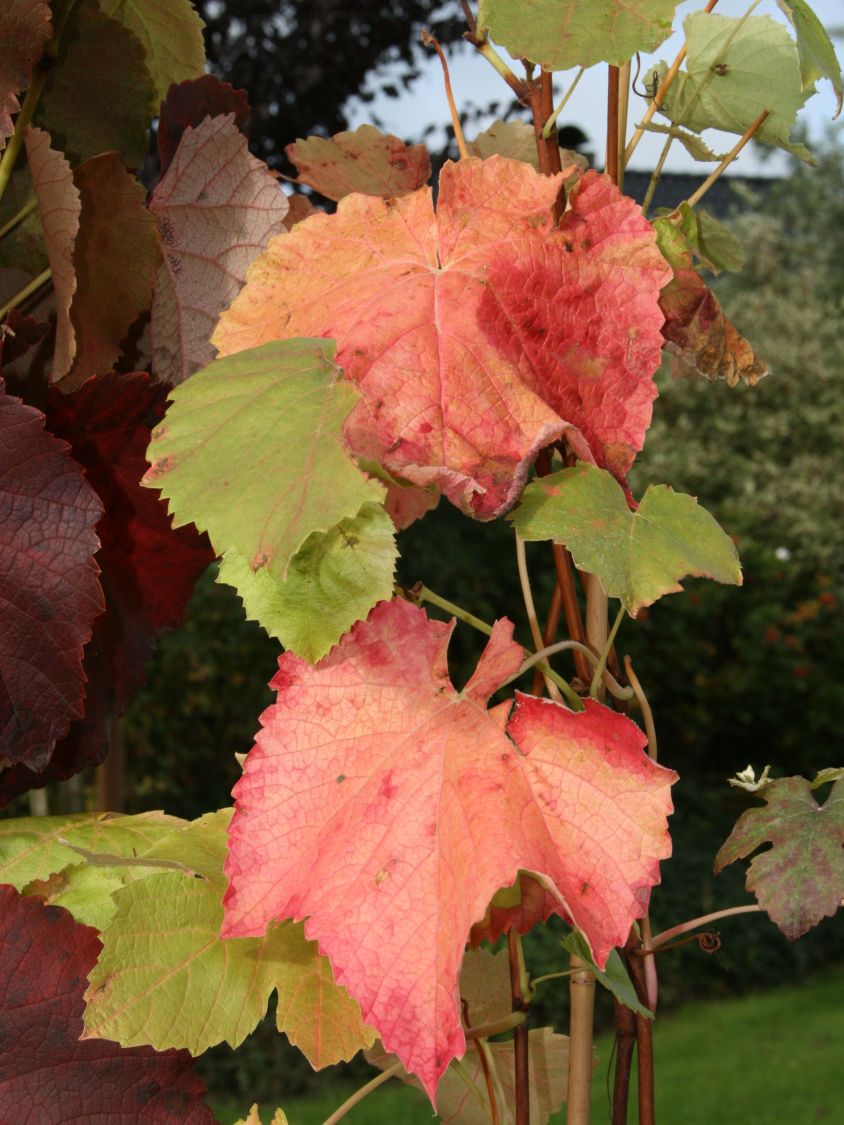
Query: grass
(770, 1059)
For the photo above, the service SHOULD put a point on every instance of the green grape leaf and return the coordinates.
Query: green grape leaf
(36, 847)
(614, 977)
(814, 47)
(559, 34)
(86, 890)
(333, 581)
(516, 140)
(171, 33)
(824, 776)
(735, 69)
(638, 556)
(694, 145)
(100, 96)
(712, 243)
(165, 977)
(799, 880)
(251, 451)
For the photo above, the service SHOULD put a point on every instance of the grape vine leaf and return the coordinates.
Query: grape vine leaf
(48, 580)
(24, 28)
(216, 208)
(166, 978)
(148, 569)
(18, 334)
(560, 34)
(517, 141)
(189, 103)
(99, 96)
(285, 405)
(814, 47)
(59, 209)
(366, 161)
(694, 145)
(254, 1118)
(332, 581)
(613, 977)
(171, 34)
(34, 848)
(799, 880)
(47, 1075)
(701, 340)
(735, 69)
(687, 230)
(466, 369)
(114, 228)
(638, 556)
(353, 808)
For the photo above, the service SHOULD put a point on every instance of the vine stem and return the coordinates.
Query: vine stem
(27, 208)
(520, 992)
(530, 609)
(610, 681)
(696, 923)
(656, 175)
(647, 714)
(623, 103)
(659, 96)
(430, 41)
(358, 1096)
(696, 196)
(582, 997)
(600, 668)
(27, 291)
(425, 595)
(549, 126)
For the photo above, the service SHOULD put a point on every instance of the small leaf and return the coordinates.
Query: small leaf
(799, 880)
(45, 958)
(694, 145)
(251, 450)
(86, 890)
(48, 585)
(614, 977)
(166, 977)
(254, 1118)
(817, 54)
(117, 254)
(365, 161)
(517, 141)
(217, 208)
(333, 580)
(638, 556)
(189, 103)
(99, 96)
(559, 34)
(24, 28)
(831, 773)
(713, 242)
(485, 986)
(354, 808)
(171, 34)
(59, 208)
(735, 69)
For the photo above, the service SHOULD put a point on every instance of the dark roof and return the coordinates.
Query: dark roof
(674, 187)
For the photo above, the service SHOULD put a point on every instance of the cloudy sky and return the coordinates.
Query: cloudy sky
(475, 81)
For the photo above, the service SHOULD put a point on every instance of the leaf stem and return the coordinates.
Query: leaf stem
(496, 1027)
(647, 714)
(364, 1091)
(615, 688)
(549, 127)
(656, 175)
(530, 609)
(582, 999)
(425, 595)
(27, 291)
(659, 96)
(612, 158)
(430, 41)
(696, 923)
(696, 196)
(601, 666)
(520, 993)
(623, 103)
(551, 976)
(27, 208)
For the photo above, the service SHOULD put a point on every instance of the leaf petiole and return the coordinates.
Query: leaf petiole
(425, 595)
(27, 209)
(602, 662)
(358, 1096)
(548, 127)
(27, 291)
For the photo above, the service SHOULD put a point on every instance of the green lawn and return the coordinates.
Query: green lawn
(772, 1059)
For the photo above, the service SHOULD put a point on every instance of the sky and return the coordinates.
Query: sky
(475, 81)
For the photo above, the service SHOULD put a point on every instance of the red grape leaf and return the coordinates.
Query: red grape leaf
(365, 161)
(48, 585)
(49, 1077)
(116, 256)
(386, 809)
(24, 26)
(189, 103)
(465, 366)
(148, 569)
(59, 208)
(217, 208)
(800, 879)
(100, 95)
